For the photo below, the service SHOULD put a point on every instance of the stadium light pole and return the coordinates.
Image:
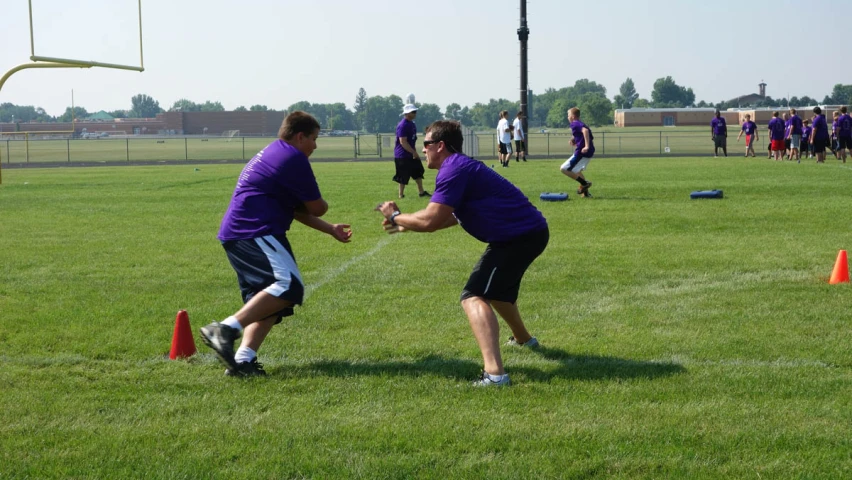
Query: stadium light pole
(523, 36)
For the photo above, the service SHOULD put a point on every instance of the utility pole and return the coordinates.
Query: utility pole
(523, 36)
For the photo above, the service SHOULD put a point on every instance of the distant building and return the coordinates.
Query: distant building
(750, 99)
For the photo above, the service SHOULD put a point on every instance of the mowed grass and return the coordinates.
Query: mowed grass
(682, 338)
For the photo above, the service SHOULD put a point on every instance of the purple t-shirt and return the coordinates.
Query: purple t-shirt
(776, 129)
(408, 130)
(806, 133)
(580, 141)
(720, 128)
(272, 184)
(820, 128)
(845, 126)
(749, 127)
(486, 205)
(795, 125)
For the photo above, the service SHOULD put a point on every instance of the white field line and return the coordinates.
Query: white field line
(336, 272)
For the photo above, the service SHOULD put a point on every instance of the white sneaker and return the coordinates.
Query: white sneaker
(486, 380)
(531, 343)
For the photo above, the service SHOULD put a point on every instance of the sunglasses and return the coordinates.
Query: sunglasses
(426, 143)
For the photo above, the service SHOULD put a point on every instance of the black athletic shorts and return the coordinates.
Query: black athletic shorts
(498, 274)
(407, 168)
(266, 264)
(819, 145)
(844, 142)
(520, 146)
(505, 148)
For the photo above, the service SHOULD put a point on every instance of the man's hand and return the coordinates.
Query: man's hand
(585, 150)
(387, 208)
(341, 232)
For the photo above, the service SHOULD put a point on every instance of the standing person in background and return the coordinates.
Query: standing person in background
(504, 138)
(819, 136)
(275, 187)
(584, 150)
(405, 156)
(750, 130)
(795, 135)
(806, 138)
(835, 129)
(844, 133)
(787, 127)
(776, 136)
(719, 134)
(520, 137)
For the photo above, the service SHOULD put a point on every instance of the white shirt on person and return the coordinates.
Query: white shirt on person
(502, 134)
(519, 129)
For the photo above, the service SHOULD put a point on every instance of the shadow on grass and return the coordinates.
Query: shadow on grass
(570, 366)
(436, 365)
(594, 367)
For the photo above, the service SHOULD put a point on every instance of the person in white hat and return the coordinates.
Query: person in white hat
(405, 156)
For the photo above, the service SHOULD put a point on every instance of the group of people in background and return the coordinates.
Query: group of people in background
(790, 136)
(506, 134)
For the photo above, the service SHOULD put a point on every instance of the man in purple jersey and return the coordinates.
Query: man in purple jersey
(795, 135)
(584, 150)
(405, 156)
(776, 136)
(749, 128)
(492, 210)
(275, 187)
(819, 135)
(719, 134)
(844, 133)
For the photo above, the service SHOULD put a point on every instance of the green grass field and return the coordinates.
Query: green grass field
(681, 338)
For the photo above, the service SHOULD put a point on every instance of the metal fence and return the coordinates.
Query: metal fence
(29, 149)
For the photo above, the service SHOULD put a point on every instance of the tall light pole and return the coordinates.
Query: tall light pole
(523, 36)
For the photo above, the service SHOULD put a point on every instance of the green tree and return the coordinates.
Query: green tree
(184, 105)
(428, 113)
(79, 113)
(626, 95)
(119, 114)
(667, 93)
(381, 114)
(360, 107)
(557, 117)
(595, 109)
(144, 106)
(641, 103)
(840, 95)
(241, 108)
(209, 106)
(258, 108)
(487, 115)
(20, 113)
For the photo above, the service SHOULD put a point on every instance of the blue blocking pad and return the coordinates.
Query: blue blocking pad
(553, 197)
(706, 194)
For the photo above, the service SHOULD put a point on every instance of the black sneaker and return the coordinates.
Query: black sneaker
(425, 194)
(221, 339)
(247, 369)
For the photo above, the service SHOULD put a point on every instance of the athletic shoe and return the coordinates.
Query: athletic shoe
(402, 196)
(247, 369)
(425, 194)
(531, 343)
(221, 339)
(485, 381)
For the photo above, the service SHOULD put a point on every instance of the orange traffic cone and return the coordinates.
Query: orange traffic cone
(840, 274)
(183, 345)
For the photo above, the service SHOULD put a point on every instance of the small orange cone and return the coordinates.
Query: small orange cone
(183, 345)
(840, 274)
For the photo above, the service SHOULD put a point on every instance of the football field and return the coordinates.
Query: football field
(680, 338)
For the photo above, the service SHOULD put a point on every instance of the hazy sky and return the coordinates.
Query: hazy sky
(278, 52)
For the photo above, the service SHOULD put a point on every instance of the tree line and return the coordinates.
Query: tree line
(381, 114)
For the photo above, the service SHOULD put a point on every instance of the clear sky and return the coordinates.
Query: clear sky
(278, 52)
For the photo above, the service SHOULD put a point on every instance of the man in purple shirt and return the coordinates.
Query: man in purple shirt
(405, 156)
(275, 187)
(819, 135)
(844, 133)
(719, 134)
(806, 137)
(584, 150)
(749, 128)
(776, 136)
(795, 135)
(492, 210)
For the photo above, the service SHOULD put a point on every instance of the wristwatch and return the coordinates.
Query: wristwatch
(393, 217)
